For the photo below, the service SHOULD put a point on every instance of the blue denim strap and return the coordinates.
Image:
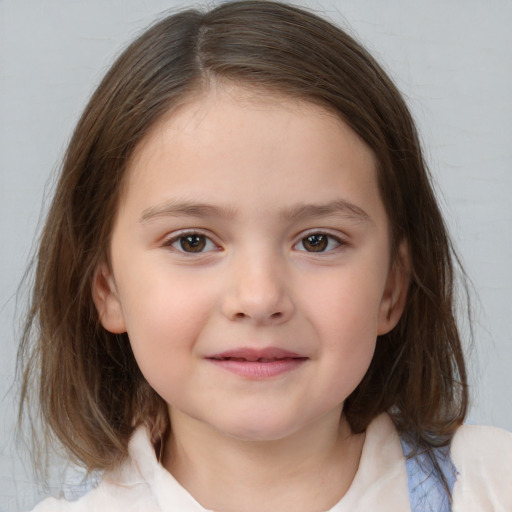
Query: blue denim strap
(427, 493)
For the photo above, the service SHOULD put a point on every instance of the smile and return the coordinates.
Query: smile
(258, 363)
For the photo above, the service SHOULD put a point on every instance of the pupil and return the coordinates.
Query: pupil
(315, 243)
(193, 243)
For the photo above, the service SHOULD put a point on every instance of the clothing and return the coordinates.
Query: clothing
(431, 477)
(481, 456)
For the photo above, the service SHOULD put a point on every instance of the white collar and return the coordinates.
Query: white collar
(380, 482)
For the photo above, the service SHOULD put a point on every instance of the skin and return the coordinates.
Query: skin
(263, 167)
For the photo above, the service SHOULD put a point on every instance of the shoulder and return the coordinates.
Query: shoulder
(125, 488)
(140, 484)
(482, 457)
(108, 496)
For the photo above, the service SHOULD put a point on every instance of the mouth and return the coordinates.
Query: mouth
(258, 363)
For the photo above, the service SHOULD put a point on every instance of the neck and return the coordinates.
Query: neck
(308, 471)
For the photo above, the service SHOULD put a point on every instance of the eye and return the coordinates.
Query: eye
(318, 242)
(191, 243)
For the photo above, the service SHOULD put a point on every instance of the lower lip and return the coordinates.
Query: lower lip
(258, 369)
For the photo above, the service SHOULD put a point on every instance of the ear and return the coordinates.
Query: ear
(106, 300)
(395, 294)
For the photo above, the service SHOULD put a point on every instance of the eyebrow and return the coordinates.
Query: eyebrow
(339, 207)
(185, 209)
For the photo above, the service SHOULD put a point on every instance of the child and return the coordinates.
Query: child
(243, 298)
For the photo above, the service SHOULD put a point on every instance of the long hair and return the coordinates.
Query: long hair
(90, 391)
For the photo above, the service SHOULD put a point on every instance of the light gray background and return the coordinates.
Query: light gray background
(453, 61)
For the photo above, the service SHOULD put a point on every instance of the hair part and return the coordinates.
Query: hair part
(90, 391)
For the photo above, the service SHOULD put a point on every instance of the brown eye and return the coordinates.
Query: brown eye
(315, 243)
(318, 242)
(192, 243)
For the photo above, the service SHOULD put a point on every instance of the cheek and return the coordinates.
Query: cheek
(344, 310)
(164, 315)
(345, 302)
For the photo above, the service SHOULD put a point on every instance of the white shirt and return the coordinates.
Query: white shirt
(482, 456)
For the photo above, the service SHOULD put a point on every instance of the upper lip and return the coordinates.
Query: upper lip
(255, 354)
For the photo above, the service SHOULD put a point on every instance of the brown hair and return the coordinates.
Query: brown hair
(91, 393)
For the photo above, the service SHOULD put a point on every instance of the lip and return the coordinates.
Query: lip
(258, 363)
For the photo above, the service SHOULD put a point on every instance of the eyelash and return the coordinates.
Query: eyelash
(329, 238)
(183, 235)
(324, 241)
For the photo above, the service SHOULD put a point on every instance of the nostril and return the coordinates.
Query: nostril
(273, 316)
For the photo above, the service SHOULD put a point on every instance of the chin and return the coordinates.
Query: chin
(258, 430)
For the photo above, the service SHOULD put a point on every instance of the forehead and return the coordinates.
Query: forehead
(233, 143)
(194, 113)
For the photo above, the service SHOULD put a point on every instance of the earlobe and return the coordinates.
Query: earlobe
(395, 294)
(106, 300)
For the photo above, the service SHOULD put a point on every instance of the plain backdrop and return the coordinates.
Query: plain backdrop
(451, 59)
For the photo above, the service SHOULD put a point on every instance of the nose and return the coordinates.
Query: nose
(258, 293)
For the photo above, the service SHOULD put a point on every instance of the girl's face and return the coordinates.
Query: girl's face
(250, 264)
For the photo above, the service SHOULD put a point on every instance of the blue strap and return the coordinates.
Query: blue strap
(426, 490)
